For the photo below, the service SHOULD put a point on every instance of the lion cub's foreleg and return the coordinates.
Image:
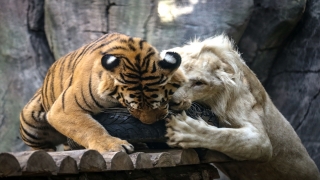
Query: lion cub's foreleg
(245, 143)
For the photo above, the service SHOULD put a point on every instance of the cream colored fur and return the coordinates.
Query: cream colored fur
(254, 133)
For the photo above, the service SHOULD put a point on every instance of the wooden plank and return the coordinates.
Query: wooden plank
(36, 162)
(162, 159)
(141, 160)
(9, 165)
(87, 160)
(184, 156)
(92, 161)
(65, 163)
(118, 161)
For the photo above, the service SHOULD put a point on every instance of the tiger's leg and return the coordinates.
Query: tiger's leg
(75, 122)
(35, 131)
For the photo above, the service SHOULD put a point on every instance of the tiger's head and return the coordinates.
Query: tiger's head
(139, 78)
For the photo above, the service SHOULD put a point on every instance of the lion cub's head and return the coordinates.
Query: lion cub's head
(212, 68)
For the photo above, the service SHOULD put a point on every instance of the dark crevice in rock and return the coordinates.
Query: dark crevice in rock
(108, 6)
(294, 72)
(307, 112)
(146, 22)
(269, 48)
(104, 32)
(38, 39)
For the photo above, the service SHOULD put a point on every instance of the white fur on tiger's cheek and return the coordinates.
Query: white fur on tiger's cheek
(155, 105)
(111, 59)
(134, 105)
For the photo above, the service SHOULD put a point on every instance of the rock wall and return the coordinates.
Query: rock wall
(33, 33)
(293, 83)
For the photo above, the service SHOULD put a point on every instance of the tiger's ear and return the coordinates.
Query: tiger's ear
(109, 62)
(171, 60)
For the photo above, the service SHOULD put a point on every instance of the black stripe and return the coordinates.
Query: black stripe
(114, 91)
(135, 88)
(115, 48)
(45, 98)
(131, 40)
(29, 134)
(131, 75)
(150, 78)
(70, 59)
(90, 91)
(123, 41)
(141, 44)
(70, 82)
(128, 64)
(84, 109)
(155, 83)
(36, 119)
(137, 58)
(28, 141)
(61, 73)
(63, 99)
(52, 86)
(170, 92)
(84, 100)
(163, 79)
(150, 90)
(154, 68)
(128, 81)
(147, 57)
(77, 59)
(166, 92)
(31, 125)
(175, 85)
(104, 44)
(131, 47)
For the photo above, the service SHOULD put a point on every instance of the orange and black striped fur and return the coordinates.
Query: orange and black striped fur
(115, 69)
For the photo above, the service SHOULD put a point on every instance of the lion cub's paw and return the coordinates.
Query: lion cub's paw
(183, 131)
(112, 145)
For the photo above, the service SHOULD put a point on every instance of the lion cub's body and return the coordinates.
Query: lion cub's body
(253, 132)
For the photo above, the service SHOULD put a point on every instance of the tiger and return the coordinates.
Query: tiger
(114, 70)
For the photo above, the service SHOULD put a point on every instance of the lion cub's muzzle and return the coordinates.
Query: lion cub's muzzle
(179, 105)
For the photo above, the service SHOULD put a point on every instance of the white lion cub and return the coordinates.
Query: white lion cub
(254, 133)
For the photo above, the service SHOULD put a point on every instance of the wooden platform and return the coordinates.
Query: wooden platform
(90, 164)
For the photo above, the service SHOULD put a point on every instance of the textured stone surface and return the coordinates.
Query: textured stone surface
(166, 24)
(294, 81)
(69, 24)
(270, 24)
(24, 59)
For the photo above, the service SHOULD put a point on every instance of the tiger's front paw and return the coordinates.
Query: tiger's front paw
(111, 145)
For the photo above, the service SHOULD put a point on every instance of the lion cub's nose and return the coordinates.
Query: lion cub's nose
(180, 105)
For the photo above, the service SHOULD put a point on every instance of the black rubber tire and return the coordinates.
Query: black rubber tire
(119, 123)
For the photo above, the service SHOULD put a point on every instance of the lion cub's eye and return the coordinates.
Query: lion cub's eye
(198, 83)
